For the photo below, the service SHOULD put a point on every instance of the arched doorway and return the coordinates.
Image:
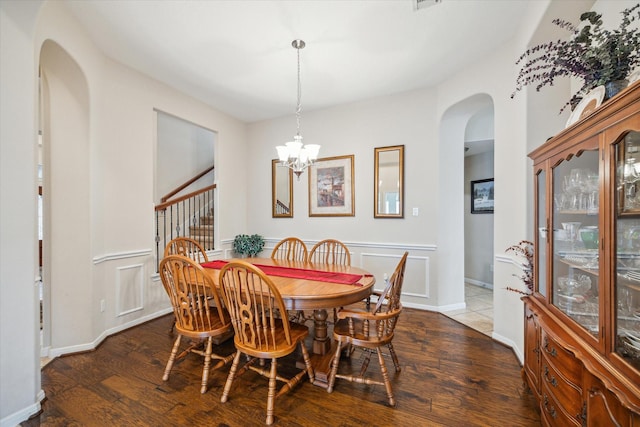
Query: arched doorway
(464, 124)
(66, 199)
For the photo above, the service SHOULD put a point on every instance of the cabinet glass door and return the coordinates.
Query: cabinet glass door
(543, 233)
(627, 264)
(576, 264)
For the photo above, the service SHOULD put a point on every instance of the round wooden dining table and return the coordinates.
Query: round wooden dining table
(305, 291)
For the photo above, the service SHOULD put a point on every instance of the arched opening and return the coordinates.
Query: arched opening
(66, 199)
(465, 240)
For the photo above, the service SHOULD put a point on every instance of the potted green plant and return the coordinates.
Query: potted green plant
(251, 246)
(594, 54)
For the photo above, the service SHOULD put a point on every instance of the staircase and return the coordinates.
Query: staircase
(203, 232)
(188, 215)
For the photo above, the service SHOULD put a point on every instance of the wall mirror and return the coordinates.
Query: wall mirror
(281, 190)
(389, 182)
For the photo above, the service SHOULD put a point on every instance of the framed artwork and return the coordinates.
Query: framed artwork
(331, 190)
(482, 196)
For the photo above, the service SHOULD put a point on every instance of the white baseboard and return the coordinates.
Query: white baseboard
(55, 352)
(509, 343)
(13, 420)
(479, 283)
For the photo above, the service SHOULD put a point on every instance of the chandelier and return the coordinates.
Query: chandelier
(294, 154)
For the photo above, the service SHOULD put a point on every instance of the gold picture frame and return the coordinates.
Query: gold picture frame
(281, 190)
(388, 182)
(331, 187)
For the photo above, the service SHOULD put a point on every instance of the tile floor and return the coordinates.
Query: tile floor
(479, 311)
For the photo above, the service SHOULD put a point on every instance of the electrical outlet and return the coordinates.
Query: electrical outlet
(415, 211)
(103, 305)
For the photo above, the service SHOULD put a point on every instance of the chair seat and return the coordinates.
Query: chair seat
(216, 328)
(280, 346)
(370, 340)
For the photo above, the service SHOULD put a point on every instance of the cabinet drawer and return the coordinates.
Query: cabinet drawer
(553, 412)
(562, 360)
(567, 394)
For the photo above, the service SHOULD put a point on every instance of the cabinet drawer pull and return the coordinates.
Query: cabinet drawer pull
(551, 380)
(550, 409)
(550, 351)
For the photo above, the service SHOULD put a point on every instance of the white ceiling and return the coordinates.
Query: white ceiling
(236, 55)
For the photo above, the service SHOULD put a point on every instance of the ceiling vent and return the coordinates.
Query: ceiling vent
(423, 4)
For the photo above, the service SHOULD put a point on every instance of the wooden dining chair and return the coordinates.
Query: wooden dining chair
(370, 330)
(330, 251)
(188, 247)
(291, 249)
(252, 300)
(189, 288)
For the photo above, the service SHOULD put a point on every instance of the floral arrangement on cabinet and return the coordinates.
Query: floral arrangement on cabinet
(524, 252)
(595, 55)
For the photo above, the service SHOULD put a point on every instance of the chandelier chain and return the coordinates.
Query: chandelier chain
(299, 106)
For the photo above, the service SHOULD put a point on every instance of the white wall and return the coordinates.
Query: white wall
(356, 129)
(184, 150)
(19, 340)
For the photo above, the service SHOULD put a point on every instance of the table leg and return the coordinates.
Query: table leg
(323, 349)
(321, 340)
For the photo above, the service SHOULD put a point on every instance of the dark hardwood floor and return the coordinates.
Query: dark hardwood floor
(451, 376)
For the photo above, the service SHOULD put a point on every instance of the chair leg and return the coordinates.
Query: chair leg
(334, 368)
(207, 366)
(394, 357)
(307, 362)
(385, 375)
(271, 395)
(232, 374)
(365, 362)
(172, 358)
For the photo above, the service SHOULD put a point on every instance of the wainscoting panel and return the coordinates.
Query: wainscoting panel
(129, 289)
(416, 275)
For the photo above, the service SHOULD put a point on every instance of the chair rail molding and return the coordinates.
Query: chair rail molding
(121, 255)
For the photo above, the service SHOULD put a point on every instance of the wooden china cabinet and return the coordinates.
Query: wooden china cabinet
(582, 322)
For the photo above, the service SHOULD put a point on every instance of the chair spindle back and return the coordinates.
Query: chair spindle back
(253, 302)
(330, 251)
(187, 247)
(290, 249)
(189, 289)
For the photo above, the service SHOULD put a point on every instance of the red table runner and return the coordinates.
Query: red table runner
(298, 273)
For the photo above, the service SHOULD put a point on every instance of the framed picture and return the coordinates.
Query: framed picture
(331, 187)
(482, 196)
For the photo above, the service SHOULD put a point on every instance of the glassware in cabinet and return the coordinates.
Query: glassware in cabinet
(576, 261)
(627, 260)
